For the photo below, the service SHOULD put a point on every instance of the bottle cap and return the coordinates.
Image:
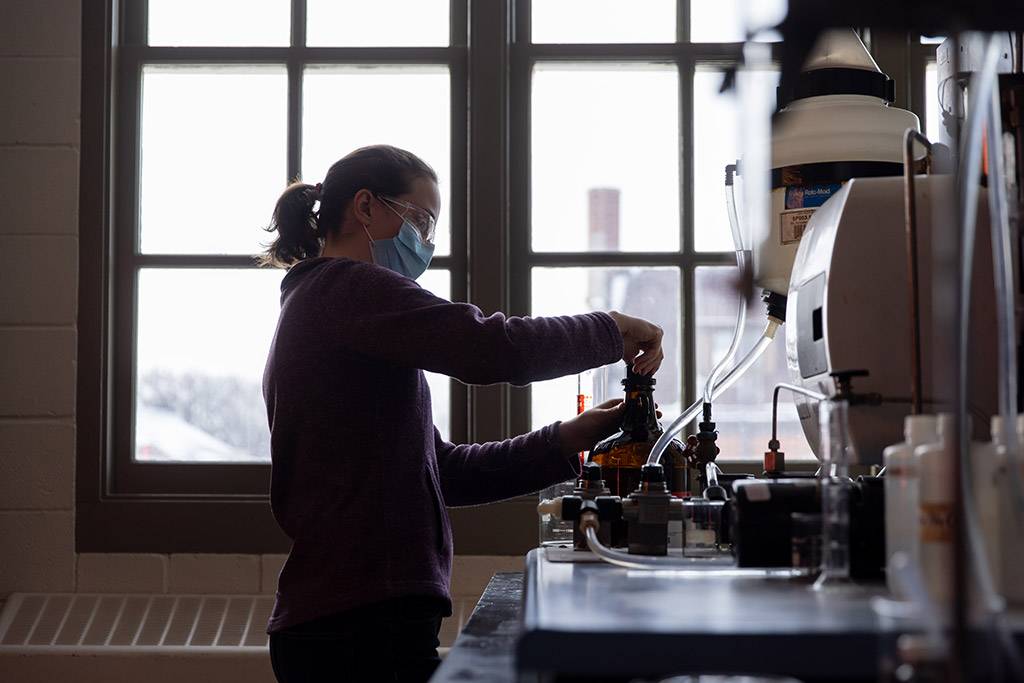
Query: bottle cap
(591, 472)
(947, 424)
(651, 473)
(996, 427)
(920, 429)
(636, 379)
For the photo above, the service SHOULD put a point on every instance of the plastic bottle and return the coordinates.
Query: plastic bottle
(1010, 534)
(936, 500)
(988, 461)
(901, 491)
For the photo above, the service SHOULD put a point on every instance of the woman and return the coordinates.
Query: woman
(361, 477)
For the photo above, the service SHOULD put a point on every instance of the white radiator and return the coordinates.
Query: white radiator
(33, 622)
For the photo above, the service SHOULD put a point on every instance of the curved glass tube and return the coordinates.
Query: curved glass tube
(741, 265)
(723, 384)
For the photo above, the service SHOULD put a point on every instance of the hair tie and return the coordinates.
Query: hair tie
(318, 190)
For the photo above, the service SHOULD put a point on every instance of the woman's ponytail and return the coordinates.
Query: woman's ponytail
(297, 226)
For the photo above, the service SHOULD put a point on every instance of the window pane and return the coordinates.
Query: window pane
(216, 22)
(381, 23)
(716, 142)
(604, 21)
(605, 158)
(932, 122)
(932, 40)
(408, 107)
(203, 340)
(439, 282)
(727, 21)
(649, 293)
(744, 413)
(213, 157)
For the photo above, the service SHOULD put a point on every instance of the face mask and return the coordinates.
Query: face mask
(405, 253)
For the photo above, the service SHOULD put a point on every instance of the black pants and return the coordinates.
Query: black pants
(390, 641)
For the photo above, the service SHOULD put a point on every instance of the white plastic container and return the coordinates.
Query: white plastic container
(901, 491)
(836, 128)
(935, 510)
(988, 462)
(1010, 536)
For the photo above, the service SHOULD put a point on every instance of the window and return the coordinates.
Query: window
(212, 118)
(628, 140)
(580, 147)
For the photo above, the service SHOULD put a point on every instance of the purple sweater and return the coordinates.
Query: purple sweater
(360, 477)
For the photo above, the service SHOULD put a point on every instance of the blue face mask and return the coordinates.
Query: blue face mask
(405, 253)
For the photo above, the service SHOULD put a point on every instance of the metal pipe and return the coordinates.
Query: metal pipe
(910, 221)
(817, 396)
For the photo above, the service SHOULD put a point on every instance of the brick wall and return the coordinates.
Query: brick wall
(39, 148)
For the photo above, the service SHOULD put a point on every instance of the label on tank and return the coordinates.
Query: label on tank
(792, 224)
(801, 201)
(809, 196)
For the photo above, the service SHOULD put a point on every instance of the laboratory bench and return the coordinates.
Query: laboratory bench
(587, 620)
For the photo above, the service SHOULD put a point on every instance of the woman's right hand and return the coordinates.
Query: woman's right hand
(641, 343)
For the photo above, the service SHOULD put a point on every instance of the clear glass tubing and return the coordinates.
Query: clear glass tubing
(677, 426)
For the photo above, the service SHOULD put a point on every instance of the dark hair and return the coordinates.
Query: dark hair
(301, 231)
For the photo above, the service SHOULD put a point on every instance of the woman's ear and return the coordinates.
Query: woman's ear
(361, 206)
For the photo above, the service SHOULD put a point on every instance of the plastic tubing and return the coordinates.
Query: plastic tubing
(983, 95)
(683, 566)
(720, 388)
(741, 266)
(621, 559)
(1002, 265)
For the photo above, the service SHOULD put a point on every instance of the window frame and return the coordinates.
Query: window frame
(491, 59)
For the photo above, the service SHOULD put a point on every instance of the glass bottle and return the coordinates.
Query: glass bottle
(836, 454)
(622, 455)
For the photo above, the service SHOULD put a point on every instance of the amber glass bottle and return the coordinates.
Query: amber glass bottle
(623, 454)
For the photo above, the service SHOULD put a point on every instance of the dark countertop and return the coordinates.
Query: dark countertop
(593, 620)
(485, 650)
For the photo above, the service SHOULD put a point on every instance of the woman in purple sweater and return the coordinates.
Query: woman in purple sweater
(361, 478)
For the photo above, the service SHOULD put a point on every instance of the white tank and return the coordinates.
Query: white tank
(836, 123)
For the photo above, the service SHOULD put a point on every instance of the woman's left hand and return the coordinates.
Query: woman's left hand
(586, 429)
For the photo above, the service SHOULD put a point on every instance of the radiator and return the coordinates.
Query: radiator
(84, 622)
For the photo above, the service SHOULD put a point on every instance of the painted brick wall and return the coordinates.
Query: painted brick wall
(39, 156)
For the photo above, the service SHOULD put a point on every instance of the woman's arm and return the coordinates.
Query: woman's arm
(385, 316)
(473, 474)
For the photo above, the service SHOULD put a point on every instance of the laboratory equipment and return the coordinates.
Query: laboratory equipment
(835, 122)
(846, 309)
(622, 455)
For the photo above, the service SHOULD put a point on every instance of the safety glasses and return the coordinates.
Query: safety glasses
(419, 218)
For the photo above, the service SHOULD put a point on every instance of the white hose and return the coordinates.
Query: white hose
(680, 566)
(720, 388)
(741, 268)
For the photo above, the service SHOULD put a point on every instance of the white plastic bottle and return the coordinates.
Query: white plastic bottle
(1010, 535)
(901, 491)
(935, 509)
(987, 462)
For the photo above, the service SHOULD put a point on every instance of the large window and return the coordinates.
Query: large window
(580, 147)
(229, 111)
(628, 136)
